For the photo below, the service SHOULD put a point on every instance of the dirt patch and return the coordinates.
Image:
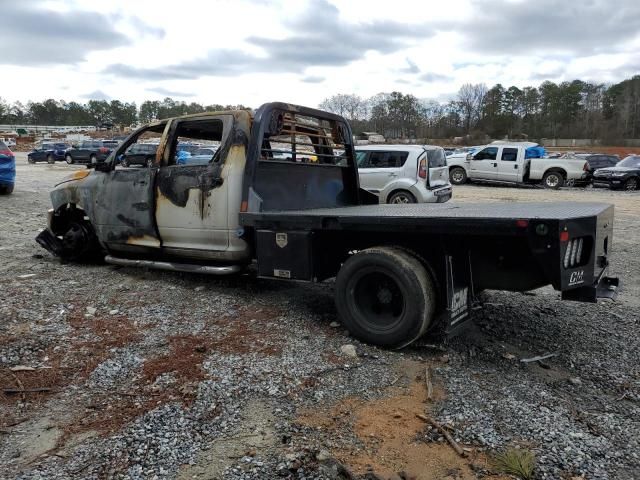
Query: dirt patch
(255, 433)
(390, 438)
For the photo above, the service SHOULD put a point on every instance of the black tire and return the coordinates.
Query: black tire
(6, 189)
(69, 159)
(30, 160)
(458, 176)
(553, 180)
(402, 197)
(385, 297)
(631, 184)
(50, 159)
(124, 162)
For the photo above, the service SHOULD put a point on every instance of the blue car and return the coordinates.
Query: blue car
(49, 152)
(7, 169)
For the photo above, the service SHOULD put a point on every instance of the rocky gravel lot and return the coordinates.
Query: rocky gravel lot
(165, 375)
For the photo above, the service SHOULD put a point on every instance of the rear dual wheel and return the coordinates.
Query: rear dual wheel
(385, 296)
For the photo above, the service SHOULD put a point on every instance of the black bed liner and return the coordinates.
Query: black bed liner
(447, 218)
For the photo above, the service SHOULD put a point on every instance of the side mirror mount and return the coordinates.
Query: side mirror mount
(103, 167)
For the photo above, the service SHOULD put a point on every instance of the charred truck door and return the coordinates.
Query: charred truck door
(191, 200)
(124, 204)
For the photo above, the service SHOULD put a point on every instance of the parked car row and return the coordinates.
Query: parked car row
(7, 169)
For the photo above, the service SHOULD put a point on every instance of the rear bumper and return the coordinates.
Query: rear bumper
(437, 195)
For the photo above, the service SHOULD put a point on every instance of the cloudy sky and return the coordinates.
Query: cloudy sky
(253, 51)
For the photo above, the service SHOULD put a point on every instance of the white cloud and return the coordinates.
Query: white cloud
(250, 52)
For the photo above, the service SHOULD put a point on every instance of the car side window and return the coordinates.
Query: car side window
(361, 159)
(489, 153)
(437, 158)
(387, 159)
(509, 154)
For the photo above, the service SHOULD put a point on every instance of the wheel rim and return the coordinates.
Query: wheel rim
(149, 163)
(632, 184)
(457, 176)
(401, 198)
(49, 159)
(93, 160)
(553, 180)
(377, 300)
(69, 159)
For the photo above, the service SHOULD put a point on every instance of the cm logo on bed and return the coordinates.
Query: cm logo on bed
(576, 278)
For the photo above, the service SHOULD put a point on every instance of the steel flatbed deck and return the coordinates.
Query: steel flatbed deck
(450, 218)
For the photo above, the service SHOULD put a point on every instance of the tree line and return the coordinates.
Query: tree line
(575, 109)
(99, 112)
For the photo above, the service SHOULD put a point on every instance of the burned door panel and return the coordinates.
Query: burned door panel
(191, 200)
(123, 209)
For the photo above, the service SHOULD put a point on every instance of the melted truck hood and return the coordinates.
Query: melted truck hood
(78, 175)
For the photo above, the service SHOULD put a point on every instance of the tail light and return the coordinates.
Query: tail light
(422, 169)
(103, 150)
(585, 167)
(573, 255)
(6, 153)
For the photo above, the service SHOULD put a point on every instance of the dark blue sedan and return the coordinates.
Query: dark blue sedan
(7, 169)
(48, 152)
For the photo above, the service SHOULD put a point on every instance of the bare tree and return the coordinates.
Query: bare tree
(470, 100)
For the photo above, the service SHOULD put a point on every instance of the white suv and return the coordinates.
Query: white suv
(404, 173)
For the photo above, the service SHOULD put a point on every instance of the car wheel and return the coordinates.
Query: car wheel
(553, 180)
(30, 160)
(93, 159)
(69, 159)
(458, 176)
(124, 162)
(6, 189)
(402, 197)
(50, 159)
(149, 162)
(631, 184)
(385, 296)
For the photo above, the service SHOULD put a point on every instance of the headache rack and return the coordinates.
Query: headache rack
(286, 141)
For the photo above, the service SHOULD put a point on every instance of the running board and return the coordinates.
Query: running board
(175, 267)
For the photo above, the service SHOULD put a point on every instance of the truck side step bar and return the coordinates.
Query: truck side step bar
(175, 267)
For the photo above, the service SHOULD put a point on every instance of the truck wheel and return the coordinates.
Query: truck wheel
(553, 180)
(50, 159)
(6, 189)
(402, 197)
(631, 184)
(458, 176)
(385, 296)
(69, 159)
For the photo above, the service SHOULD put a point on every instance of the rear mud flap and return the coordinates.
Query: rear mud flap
(458, 294)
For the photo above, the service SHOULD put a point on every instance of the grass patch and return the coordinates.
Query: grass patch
(516, 461)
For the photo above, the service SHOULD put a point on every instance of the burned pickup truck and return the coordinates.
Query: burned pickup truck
(281, 198)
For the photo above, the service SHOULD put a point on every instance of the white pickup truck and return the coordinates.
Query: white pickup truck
(510, 163)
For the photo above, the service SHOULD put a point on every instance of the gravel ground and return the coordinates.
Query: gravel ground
(167, 375)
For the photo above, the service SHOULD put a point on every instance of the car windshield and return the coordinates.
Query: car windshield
(632, 161)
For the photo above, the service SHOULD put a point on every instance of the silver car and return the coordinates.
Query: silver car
(404, 173)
